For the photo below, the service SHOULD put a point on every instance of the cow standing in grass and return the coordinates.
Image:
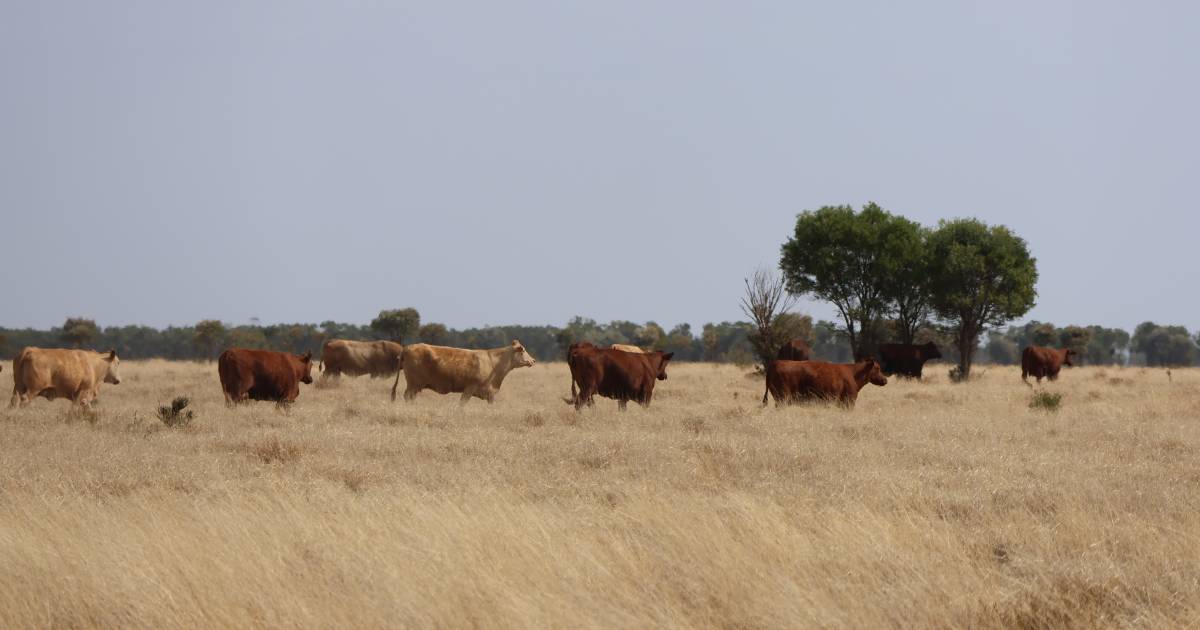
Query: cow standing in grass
(263, 375)
(797, 381)
(57, 373)
(355, 358)
(622, 376)
(907, 359)
(1042, 362)
(472, 373)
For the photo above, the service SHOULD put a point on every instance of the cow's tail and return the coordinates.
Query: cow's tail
(399, 369)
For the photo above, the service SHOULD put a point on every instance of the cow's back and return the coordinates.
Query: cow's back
(440, 368)
(257, 374)
(51, 372)
(626, 375)
(1040, 362)
(789, 380)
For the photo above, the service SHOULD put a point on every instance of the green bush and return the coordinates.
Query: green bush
(173, 415)
(1046, 401)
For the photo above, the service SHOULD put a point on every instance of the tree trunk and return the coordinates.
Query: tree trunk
(967, 340)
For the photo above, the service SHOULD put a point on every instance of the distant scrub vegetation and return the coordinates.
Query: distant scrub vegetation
(726, 342)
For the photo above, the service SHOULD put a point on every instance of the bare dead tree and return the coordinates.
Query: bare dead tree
(765, 300)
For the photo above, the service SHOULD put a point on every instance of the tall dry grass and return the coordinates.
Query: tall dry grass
(930, 505)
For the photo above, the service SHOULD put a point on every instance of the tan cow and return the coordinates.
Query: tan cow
(55, 373)
(627, 348)
(477, 373)
(355, 358)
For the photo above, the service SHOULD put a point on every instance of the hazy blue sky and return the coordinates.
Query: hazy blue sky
(523, 162)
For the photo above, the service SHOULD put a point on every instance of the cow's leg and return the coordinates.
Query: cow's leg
(467, 394)
(621, 402)
(16, 395)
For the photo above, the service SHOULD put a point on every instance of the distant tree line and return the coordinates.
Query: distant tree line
(726, 342)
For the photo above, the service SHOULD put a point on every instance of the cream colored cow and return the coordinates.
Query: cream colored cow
(56, 373)
(472, 373)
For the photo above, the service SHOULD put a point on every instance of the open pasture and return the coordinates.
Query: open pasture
(929, 505)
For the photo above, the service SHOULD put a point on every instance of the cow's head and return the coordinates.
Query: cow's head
(111, 375)
(662, 366)
(874, 374)
(306, 368)
(1067, 357)
(521, 356)
(930, 351)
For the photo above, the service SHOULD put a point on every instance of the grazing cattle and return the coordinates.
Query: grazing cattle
(55, 373)
(477, 373)
(355, 358)
(624, 347)
(623, 376)
(1042, 362)
(795, 381)
(906, 359)
(263, 375)
(795, 350)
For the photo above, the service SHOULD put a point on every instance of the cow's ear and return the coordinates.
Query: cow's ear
(112, 354)
(667, 356)
(307, 356)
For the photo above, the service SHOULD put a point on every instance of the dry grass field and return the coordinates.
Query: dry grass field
(930, 505)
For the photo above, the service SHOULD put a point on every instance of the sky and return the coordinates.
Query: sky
(526, 162)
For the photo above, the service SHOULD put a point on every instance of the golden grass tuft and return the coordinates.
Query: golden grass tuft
(931, 504)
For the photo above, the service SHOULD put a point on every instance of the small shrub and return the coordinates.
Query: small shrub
(173, 415)
(1046, 401)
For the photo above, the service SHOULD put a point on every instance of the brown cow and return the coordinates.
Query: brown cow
(906, 359)
(477, 373)
(1044, 362)
(56, 373)
(355, 358)
(795, 381)
(616, 374)
(795, 350)
(263, 375)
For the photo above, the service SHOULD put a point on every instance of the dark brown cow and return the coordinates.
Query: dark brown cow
(623, 376)
(263, 375)
(795, 381)
(1042, 362)
(795, 350)
(906, 359)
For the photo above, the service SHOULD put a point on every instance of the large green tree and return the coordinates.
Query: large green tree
(78, 331)
(1107, 346)
(862, 263)
(1168, 346)
(209, 334)
(982, 276)
(397, 324)
(433, 333)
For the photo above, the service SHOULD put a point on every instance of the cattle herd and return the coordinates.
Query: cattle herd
(620, 372)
